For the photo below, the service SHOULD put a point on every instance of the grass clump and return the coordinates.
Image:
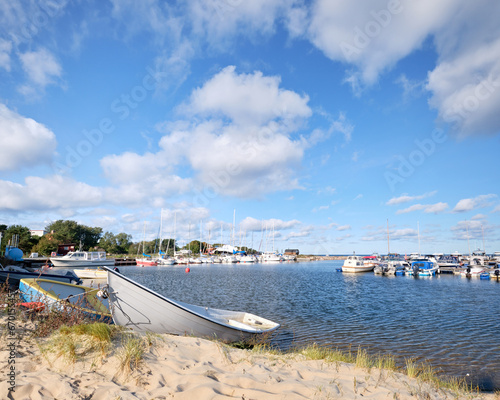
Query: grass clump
(132, 352)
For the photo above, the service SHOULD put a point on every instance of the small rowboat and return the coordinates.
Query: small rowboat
(65, 296)
(141, 309)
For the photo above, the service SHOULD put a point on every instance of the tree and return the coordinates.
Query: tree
(46, 245)
(116, 244)
(26, 241)
(72, 232)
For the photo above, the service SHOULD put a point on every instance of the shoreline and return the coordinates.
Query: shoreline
(131, 366)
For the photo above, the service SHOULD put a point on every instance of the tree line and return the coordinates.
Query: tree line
(91, 238)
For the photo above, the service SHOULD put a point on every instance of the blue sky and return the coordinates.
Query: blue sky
(324, 123)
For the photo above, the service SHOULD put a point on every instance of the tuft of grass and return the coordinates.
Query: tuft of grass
(131, 354)
(411, 367)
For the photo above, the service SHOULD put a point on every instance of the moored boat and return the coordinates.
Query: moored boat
(80, 259)
(141, 309)
(423, 267)
(355, 264)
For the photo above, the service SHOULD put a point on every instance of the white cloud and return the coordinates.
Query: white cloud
(427, 208)
(5, 48)
(54, 192)
(24, 142)
(42, 69)
(405, 198)
(248, 99)
(374, 37)
(472, 204)
(343, 228)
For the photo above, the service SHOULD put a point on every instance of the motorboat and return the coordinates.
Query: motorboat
(473, 270)
(64, 296)
(81, 259)
(141, 309)
(423, 267)
(355, 264)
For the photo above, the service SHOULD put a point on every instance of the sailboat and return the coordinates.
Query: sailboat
(146, 260)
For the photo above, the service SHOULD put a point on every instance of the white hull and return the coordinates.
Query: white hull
(357, 269)
(59, 263)
(141, 309)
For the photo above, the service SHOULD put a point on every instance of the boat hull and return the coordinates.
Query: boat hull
(64, 296)
(141, 309)
(60, 263)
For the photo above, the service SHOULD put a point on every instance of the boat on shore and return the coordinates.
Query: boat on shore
(355, 264)
(65, 296)
(141, 309)
(13, 275)
(81, 259)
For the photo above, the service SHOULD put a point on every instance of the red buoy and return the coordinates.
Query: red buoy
(187, 270)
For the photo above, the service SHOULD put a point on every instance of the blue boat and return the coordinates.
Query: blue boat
(423, 267)
(66, 297)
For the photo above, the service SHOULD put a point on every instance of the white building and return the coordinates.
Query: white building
(38, 232)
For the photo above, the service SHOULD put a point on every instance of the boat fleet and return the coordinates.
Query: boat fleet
(477, 265)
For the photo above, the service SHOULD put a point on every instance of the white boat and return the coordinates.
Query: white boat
(79, 259)
(141, 309)
(91, 273)
(355, 264)
(473, 270)
(247, 259)
(270, 257)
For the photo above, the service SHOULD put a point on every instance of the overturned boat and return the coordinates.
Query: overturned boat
(135, 306)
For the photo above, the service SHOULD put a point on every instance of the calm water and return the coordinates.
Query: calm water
(450, 321)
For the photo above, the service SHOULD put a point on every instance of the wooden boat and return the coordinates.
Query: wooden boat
(13, 275)
(141, 309)
(65, 296)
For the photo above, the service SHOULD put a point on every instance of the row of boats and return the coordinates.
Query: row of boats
(476, 265)
(98, 258)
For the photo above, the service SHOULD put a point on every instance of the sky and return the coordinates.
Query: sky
(329, 126)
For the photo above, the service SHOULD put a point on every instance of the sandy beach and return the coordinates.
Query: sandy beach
(75, 366)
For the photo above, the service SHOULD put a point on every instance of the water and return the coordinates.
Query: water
(447, 320)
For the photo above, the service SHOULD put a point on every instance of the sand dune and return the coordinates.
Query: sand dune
(192, 368)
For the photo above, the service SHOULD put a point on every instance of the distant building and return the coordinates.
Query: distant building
(38, 232)
(292, 252)
(64, 249)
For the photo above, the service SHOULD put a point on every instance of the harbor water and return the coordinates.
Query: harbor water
(449, 321)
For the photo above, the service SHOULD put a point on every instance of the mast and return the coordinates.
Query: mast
(388, 247)
(468, 244)
(418, 231)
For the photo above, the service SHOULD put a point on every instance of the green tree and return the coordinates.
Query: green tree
(46, 245)
(123, 241)
(72, 232)
(26, 241)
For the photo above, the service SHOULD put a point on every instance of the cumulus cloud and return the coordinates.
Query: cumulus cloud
(465, 85)
(481, 201)
(247, 98)
(54, 192)
(24, 142)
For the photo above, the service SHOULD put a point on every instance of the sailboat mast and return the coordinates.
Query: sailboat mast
(388, 246)
(418, 231)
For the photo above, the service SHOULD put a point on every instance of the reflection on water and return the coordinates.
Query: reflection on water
(452, 322)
